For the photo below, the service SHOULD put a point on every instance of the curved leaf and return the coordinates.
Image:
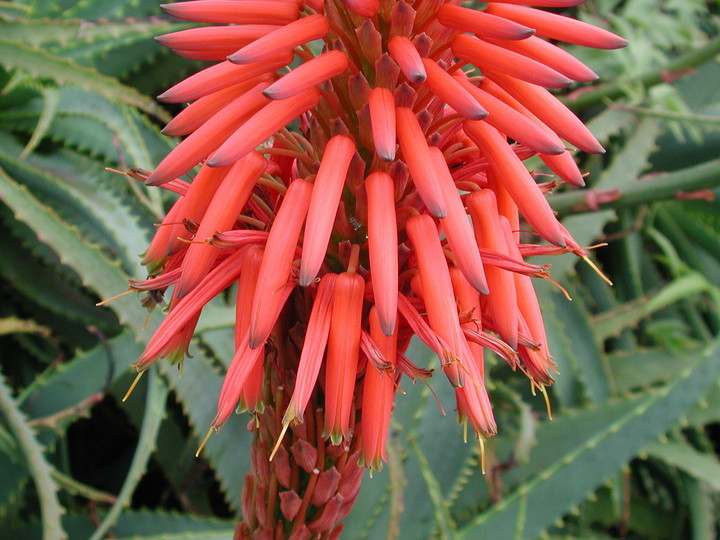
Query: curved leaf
(619, 431)
(14, 55)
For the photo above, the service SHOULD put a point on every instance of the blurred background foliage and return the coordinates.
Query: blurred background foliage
(632, 451)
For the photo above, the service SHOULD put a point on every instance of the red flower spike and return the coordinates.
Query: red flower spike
(552, 56)
(307, 75)
(516, 179)
(437, 292)
(242, 364)
(245, 12)
(327, 189)
(364, 8)
(491, 57)
(502, 303)
(326, 487)
(156, 254)
(216, 281)
(447, 88)
(473, 405)
(290, 503)
(468, 304)
(220, 76)
(403, 51)
(565, 167)
(342, 355)
(228, 201)
(202, 110)
(416, 154)
(409, 136)
(370, 41)
(457, 227)
(316, 5)
(383, 247)
(247, 284)
(506, 205)
(278, 259)
(283, 39)
(313, 350)
(208, 137)
(550, 111)
(382, 118)
(559, 27)
(378, 391)
(527, 299)
(482, 24)
(402, 18)
(512, 123)
(228, 38)
(262, 125)
(387, 72)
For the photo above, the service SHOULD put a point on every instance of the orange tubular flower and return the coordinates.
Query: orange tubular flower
(488, 231)
(404, 52)
(378, 390)
(277, 261)
(227, 202)
(325, 199)
(342, 355)
(382, 247)
(384, 174)
(382, 117)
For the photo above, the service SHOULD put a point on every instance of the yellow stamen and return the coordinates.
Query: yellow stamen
(114, 297)
(562, 289)
(146, 321)
(280, 438)
(597, 270)
(204, 441)
(132, 386)
(547, 401)
(482, 454)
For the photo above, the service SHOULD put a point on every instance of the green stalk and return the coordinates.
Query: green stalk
(703, 176)
(50, 507)
(680, 65)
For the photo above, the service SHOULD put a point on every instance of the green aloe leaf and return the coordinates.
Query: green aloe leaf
(61, 33)
(56, 392)
(98, 272)
(138, 525)
(643, 368)
(154, 413)
(14, 55)
(13, 325)
(197, 390)
(581, 363)
(595, 444)
(703, 467)
(626, 167)
(11, 11)
(609, 324)
(40, 470)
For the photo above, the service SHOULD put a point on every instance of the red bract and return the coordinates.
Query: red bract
(373, 192)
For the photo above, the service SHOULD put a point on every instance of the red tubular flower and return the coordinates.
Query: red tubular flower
(378, 390)
(323, 205)
(382, 248)
(360, 169)
(342, 355)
